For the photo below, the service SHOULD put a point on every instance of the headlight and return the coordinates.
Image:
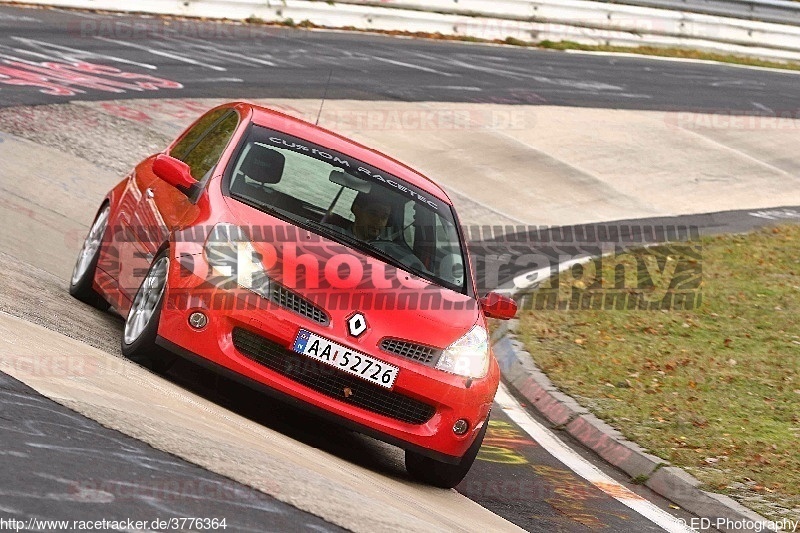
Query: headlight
(468, 356)
(233, 259)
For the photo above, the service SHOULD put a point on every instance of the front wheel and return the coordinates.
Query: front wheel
(440, 474)
(81, 284)
(141, 325)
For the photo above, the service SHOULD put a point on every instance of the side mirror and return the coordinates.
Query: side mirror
(176, 173)
(498, 306)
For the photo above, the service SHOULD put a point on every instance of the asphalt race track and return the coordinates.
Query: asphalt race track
(266, 62)
(54, 478)
(66, 466)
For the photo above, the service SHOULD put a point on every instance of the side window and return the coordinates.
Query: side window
(203, 145)
(450, 263)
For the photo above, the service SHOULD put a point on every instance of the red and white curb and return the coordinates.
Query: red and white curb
(521, 374)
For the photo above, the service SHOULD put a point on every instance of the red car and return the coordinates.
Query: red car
(309, 266)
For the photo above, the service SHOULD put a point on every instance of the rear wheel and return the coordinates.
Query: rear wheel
(440, 474)
(82, 280)
(141, 325)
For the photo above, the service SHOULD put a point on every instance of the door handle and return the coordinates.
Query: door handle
(150, 193)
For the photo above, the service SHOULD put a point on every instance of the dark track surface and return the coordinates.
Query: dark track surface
(233, 61)
(59, 465)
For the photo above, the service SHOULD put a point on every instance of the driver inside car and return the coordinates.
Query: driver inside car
(372, 212)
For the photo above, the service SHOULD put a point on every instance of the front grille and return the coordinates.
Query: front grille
(294, 302)
(418, 352)
(330, 381)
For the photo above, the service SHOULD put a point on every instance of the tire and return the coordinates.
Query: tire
(439, 474)
(82, 280)
(141, 324)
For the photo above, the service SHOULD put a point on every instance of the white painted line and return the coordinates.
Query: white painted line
(79, 53)
(410, 65)
(457, 63)
(593, 87)
(216, 80)
(161, 53)
(238, 56)
(179, 38)
(547, 440)
(739, 153)
(203, 45)
(532, 278)
(454, 88)
(632, 95)
(679, 60)
(762, 107)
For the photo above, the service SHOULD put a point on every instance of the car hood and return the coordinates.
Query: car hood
(343, 281)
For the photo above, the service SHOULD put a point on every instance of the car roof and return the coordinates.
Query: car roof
(276, 120)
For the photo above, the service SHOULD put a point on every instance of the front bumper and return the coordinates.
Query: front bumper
(235, 313)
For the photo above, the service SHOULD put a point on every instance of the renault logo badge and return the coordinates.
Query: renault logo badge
(356, 325)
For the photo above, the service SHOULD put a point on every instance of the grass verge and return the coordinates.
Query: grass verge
(715, 390)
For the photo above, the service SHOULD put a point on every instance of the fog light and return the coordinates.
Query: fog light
(198, 320)
(460, 427)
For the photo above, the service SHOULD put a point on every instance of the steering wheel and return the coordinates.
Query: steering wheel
(400, 251)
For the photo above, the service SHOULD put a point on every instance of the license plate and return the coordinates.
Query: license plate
(345, 359)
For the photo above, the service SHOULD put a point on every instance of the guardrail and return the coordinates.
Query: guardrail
(778, 11)
(775, 11)
(582, 21)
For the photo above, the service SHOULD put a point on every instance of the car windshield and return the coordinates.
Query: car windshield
(349, 201)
